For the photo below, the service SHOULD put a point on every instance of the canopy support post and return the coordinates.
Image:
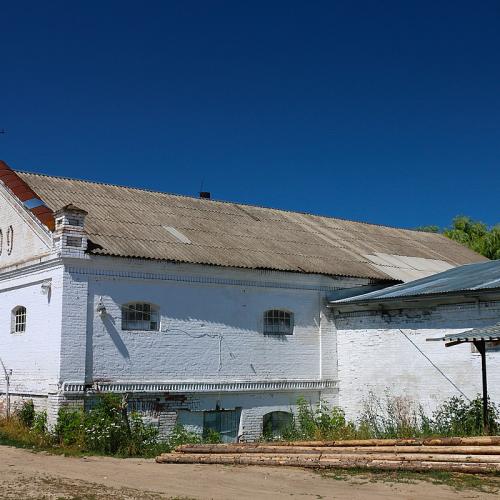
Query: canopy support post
(481, 347)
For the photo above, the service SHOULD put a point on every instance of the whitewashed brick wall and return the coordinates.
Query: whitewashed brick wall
(375, 356)
(197, 304)
(33, 356)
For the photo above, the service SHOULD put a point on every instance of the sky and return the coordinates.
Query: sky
(380, 111)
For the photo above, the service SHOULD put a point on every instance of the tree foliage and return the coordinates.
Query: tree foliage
(473, 234)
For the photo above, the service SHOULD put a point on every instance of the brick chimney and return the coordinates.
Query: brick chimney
(69, 235)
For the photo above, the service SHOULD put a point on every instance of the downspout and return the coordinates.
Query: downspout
(7, 387)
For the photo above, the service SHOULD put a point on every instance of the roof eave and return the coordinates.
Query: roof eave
(417, 300)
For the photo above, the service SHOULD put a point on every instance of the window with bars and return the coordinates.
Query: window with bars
(19, 319)
(140, 316)
(278, 322)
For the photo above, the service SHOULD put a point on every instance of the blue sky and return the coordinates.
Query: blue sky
(381, 111)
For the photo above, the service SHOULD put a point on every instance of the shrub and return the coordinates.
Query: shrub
(180, 435)
(458, 417)
(26, 414)
(106, 429)
(69, 429)
(40, 423)
(142, 439)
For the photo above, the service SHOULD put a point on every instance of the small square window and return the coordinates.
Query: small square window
(140, 316)
(278, 322)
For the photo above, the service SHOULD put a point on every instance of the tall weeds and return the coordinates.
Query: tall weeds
(389, 417)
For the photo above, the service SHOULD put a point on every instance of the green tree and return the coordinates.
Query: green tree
(473, 234)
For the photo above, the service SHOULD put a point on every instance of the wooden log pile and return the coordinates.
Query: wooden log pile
(471, 455)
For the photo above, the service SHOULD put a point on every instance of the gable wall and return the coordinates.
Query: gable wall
(29, 238)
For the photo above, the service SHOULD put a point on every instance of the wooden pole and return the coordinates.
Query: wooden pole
(317, 461)
(318, 450)
(481, 347)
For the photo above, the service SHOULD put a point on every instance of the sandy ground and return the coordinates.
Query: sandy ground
(24, 474)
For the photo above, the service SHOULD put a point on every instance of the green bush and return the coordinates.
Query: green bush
(39, 425)
(69, 429)
(108, 428)
(458, 417)
(26, 414)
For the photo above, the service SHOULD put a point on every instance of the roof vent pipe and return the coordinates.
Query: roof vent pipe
(205, 195)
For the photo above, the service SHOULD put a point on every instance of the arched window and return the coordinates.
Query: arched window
(278, 322)
(276, 423)
(140, 316)
(18, 319)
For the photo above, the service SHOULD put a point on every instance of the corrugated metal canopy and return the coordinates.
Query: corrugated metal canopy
(487, 333)
(470, 277)
(132, 222)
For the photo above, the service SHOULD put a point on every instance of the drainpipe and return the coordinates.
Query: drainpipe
(7, 387)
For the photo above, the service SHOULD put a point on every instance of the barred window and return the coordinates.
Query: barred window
(278, 322)
(140, 316)
(18, 319)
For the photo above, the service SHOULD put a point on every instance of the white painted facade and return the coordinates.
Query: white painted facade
(210, 352)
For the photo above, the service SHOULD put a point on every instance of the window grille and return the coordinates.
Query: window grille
(140, 316)
(19, 319)
(277, 322)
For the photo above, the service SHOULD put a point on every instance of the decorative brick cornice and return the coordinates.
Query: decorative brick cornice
(196, 279)
(200, 387)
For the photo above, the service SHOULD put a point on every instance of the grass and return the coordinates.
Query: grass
(459, 482)
(13, 433)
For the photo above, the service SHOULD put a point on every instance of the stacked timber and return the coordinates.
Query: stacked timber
(472, 455)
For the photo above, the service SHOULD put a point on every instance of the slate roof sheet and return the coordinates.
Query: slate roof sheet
(132, 222)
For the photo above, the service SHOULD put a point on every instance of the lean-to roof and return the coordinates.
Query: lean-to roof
(471, 278)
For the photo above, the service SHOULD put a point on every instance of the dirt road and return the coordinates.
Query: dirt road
(24, 474)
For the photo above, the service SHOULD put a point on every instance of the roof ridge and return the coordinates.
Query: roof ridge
(225, 202)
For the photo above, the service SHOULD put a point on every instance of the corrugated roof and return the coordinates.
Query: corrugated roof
(471, 277)
(131, 222)
(488, 333)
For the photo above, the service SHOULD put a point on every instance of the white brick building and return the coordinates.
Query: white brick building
(390, 328)
(210, 314)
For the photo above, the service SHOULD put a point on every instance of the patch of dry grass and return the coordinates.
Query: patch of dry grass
(459, 482)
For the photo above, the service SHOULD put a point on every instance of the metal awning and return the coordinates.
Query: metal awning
(478, 337)
(486, 334)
